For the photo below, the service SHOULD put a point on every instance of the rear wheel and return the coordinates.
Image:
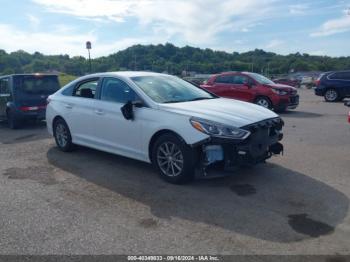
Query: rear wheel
(12, 121)
(174, 159)
(63, 136)
(264, 102)
(331, 95)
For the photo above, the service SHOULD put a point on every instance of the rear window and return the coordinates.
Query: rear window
(37, 84)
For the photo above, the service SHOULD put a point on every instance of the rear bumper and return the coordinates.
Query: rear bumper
(30, 115)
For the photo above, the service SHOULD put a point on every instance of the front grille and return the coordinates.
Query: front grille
(263, 134)
(273, 123)
(294, 99)
(293, 92)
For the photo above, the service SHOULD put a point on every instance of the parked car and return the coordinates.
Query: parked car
(23, 97)
(334, 86)
(347, 103)
(254, 88)
(183, 130)
(289, 82)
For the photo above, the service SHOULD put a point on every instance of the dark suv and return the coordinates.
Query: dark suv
(24, 97)
(334, 86)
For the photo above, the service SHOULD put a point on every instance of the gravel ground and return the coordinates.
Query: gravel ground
(90, 202)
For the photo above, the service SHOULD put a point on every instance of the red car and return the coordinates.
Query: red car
(288, 82)
(254, 88)
(347, 103)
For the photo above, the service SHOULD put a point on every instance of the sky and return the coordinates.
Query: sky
(280, 26)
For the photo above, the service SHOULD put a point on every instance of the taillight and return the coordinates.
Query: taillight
(317, 82)
(349, 117)
(31, 108)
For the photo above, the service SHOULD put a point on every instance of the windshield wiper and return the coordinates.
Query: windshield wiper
(201, 98)
(174, 101)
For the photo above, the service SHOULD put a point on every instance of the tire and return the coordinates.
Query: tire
(331, 95)
(63, 136)
(170, 147)
(12, 122)
(263, 101)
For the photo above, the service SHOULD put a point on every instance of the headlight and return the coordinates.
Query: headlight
(218, 130)
(279, 92)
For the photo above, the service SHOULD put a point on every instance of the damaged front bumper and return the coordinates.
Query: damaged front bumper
(217, 156)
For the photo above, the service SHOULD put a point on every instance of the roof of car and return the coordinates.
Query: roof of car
(127, 74)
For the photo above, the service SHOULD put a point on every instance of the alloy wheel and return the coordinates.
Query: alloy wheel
(61, 135)
(263, 102)
(331, 95)
(170, 159)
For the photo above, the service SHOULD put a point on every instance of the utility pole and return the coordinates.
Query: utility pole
(88, 47)
(134, 62)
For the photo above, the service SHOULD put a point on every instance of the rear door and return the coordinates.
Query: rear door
(31, 91)
(78, 111)
(341, 82)
(5, 95)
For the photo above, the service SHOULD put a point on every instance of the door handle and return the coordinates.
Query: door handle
(68, 106)
(99, 112)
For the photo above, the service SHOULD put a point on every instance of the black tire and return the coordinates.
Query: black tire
(12, 122)
(263, 101)
(187, 171)
(63, 136)
(331, 95)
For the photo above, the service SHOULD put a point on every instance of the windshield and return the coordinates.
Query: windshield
(37, 84)
(261, 79)
(170, 89)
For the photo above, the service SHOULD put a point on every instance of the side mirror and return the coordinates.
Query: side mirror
(347, 103)
(138, 103)
(127, 110)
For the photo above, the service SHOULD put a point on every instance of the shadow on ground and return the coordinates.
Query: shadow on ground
(300, 114)
(30, 131)
(268, 202)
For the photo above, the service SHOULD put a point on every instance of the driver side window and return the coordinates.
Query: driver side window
(240, 80)
(115, 90)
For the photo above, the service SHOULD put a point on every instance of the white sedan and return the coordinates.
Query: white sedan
(183, 130)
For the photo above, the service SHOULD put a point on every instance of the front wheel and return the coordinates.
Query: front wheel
(264, 102)
(174, 159)
(63, 136)
(331, 95)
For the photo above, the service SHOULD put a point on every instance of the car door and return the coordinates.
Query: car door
(114, 133)
(222, 86)
(78, 111)
(346, 83)
(242, 88)
(5, 95)
(341, 82)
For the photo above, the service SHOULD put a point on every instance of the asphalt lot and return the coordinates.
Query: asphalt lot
(90, 202)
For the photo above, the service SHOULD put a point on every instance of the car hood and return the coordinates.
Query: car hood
(221, 110)
(282, 87)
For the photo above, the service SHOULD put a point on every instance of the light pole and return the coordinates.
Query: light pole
(88, 47)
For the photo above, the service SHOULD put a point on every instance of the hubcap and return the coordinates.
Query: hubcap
(61, 135)
(170, 159)
(263, 102)
(331, 95)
